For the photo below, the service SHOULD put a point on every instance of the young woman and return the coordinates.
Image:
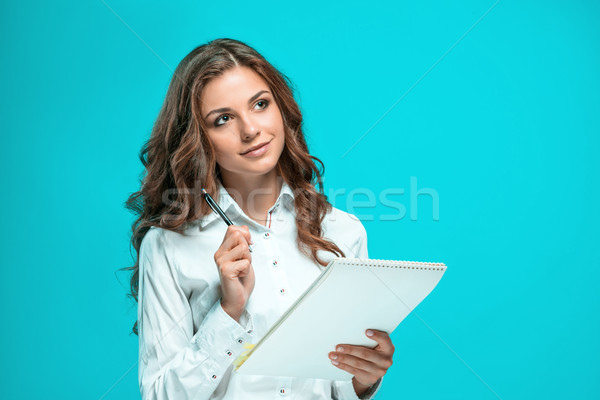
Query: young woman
(230, 124)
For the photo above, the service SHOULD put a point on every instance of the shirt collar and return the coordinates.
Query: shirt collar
(232, 209)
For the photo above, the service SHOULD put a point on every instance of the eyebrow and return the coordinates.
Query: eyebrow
(219, 110)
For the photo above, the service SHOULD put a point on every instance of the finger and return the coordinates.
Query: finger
(384, 342)
(233, 237)
(246, 232)
(241, 268)
(239, 252)
(364, 371)
(356, 355)
(237, 269)
(360, 364)
(233, 248)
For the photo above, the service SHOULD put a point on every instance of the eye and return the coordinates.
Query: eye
(216, 124)
(265, 102)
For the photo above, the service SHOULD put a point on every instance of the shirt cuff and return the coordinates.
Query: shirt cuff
(370, 393)
(344, 390)
(222, 337)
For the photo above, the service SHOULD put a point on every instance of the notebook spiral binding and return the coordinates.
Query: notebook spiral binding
(375, 262)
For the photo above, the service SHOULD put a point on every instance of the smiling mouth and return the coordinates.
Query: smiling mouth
(259, 147)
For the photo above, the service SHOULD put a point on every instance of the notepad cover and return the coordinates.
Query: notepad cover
(350, 296)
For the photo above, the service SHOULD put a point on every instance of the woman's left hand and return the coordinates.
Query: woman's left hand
(367, 365)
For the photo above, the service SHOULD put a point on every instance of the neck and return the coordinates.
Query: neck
(254, 194)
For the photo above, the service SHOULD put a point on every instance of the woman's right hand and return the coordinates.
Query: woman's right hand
(234, 262)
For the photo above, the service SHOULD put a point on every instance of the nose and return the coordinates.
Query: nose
(249, 130)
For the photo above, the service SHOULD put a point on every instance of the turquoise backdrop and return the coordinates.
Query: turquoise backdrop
(482, 118)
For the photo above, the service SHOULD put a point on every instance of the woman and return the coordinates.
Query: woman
(230, 124)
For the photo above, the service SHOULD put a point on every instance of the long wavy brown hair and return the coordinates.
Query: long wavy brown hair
(179, 159)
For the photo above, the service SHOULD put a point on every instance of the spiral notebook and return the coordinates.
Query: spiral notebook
(350, 296)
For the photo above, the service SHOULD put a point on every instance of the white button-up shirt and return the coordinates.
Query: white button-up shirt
(187, 342)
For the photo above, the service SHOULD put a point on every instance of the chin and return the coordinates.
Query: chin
(255, 168)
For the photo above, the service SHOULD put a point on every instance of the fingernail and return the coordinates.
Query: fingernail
(340, 349)
(369, 332)
(334, 362)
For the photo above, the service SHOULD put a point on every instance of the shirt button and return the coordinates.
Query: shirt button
(274, 263)
(229, 353)
(214, 377)
(240, 340)
(282, 391)
(250, 330)
(282, 291)
(266, 235)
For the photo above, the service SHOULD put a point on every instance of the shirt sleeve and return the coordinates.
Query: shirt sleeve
(361, 250)
(173, 361)
(344, 390)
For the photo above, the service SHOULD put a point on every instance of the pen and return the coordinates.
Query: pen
(215, 207)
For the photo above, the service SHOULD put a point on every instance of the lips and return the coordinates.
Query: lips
(258, 146)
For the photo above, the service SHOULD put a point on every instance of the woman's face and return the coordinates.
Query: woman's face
(240, 113)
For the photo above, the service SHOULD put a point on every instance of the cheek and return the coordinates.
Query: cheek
(222, 146)
(274, 118)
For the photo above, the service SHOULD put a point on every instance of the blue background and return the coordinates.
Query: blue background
(493, 106)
